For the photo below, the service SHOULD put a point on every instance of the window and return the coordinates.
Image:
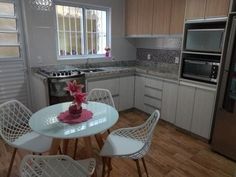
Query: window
(81, 31)
(9, 38)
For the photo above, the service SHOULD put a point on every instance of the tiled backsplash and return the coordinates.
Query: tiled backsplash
(157, 55)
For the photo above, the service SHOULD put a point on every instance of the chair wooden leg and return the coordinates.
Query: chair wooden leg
(109, 164)
(11, 163)
(65, 146)
(138, 168)
(60, 150)
(75, 148)
(103, 166)
(145, 167)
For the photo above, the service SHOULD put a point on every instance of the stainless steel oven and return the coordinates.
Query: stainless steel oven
(57, 79)
(200, 70)
(57, 92)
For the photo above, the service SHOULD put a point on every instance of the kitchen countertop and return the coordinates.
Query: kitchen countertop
(109, 71)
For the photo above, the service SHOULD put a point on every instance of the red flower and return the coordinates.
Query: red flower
(79, 98)
(74, 87)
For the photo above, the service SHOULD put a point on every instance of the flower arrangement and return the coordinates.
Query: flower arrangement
(107, 49)
(75, 90)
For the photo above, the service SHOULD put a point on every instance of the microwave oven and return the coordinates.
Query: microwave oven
(200, 70)
(204, 40)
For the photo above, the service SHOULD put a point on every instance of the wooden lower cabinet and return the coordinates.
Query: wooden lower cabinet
(169, 101)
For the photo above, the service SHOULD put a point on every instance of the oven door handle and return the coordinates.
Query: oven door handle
(63, 80)
(198, 62)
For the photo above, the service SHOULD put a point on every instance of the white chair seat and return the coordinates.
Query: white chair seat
(56, 166)
(120, 146)
(33, 142)
(88, 164)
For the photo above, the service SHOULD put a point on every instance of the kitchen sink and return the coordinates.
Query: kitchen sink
(92, 70)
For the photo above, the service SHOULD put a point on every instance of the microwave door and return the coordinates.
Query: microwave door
(204, 40)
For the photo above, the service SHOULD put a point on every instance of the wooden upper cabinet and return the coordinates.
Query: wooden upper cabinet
(195, 9)
(177, 16)
(217, 8)
(131, 13)
(161, 16)
(145, 15)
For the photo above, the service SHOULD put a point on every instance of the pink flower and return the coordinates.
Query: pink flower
(79, 98)
(74, 87)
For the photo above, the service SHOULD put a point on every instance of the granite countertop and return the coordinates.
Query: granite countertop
(109, 71)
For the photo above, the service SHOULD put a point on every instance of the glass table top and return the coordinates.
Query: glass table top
(45, 121)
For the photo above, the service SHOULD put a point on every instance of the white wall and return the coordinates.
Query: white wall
(41, 34)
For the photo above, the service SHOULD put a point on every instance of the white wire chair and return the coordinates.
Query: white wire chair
(101, 96)
(98, 95)
(133, 142)
(15, 130)
(56, 166)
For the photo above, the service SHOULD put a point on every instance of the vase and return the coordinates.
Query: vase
(75, 110)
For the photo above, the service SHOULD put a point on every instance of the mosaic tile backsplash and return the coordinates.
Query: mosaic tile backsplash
(157, 55)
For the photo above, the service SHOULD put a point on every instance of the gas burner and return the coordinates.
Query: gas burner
(60, 71)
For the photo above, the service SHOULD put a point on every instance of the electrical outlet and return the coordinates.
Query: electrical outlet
(40, 60)
(176, 60)
(149, 56)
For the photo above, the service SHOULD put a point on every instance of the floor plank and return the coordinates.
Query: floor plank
(172, 154)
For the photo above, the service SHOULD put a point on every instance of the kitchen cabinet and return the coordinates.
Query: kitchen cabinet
(169, 101)
(203, 112)
(196, 9)
(217, 8)
(139, 92)
(152, 94)
(177, 16)
(195, 109)
(131, 14)
(186, 95)
(145, 16)
(161, 16)
(111, 84)
(154, 17)
(126, 92)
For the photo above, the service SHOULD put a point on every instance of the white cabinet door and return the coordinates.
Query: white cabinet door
(203, 112)
(126, 93)
(139, 92)
(185, 107)
(169, 101)
(110, 84)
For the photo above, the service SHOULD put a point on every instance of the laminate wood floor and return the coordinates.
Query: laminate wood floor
(172, 154)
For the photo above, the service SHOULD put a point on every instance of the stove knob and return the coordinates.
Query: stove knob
(66, 73)
(69, 73)
(62, 73)
(54, 74)
(58, 74)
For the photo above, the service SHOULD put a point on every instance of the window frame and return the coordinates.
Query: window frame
(84, 29)
(18, 31)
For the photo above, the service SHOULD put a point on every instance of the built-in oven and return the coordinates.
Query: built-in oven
(200, 69)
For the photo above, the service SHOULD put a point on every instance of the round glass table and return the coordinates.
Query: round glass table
(45, 122)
